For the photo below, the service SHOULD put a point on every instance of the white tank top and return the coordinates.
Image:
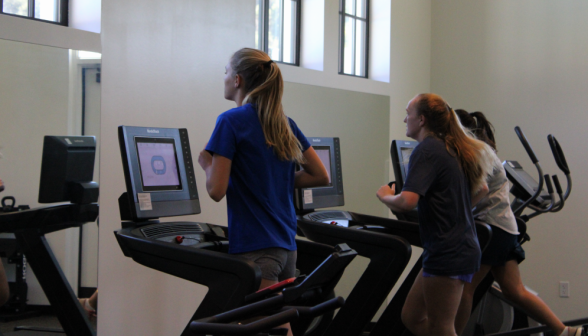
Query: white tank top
(494, 209)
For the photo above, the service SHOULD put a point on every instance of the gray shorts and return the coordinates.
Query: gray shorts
(276, 263)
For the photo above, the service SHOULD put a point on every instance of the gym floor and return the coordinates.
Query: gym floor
(46, 321)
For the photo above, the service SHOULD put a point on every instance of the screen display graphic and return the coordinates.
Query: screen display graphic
(324, 153)
(158, 162)
(405, 158)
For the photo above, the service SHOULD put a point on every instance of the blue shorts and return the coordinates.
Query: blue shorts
(464, 277)
(503, 247)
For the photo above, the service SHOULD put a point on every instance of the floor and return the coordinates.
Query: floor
(47, 321)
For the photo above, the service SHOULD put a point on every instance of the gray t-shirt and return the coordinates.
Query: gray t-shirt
(494, 209)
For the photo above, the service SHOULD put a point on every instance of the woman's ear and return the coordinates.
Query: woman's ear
(238, 81)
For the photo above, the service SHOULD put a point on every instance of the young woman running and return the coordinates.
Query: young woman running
(504, 253)
(444, 171)
(251, 158)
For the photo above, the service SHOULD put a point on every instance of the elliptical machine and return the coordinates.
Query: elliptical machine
(529, 194)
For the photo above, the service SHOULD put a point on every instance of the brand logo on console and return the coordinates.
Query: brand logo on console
(152, 131)
(316, 140)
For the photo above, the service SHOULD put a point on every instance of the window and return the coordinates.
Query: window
(54, 11)
(353, 43)
(278, 29)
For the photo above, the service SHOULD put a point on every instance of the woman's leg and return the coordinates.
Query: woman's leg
(509, 279)
(414, 313)
(431, 306)
(442, 298)
(465, 306)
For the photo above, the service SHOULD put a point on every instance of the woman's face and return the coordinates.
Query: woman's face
(230, 87)
(412, 120)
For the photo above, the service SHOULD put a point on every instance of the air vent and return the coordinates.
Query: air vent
(325, 215)
(171, 229)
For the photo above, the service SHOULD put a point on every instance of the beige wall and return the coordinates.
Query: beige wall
(526, 63)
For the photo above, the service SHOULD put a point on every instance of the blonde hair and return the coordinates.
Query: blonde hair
(474, 156)
(264, 88)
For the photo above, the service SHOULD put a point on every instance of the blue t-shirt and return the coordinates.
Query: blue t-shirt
(446, 223)
(261, 186)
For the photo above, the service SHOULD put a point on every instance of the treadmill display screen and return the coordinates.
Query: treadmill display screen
(324, 153)
(406, 151)
(158, 163)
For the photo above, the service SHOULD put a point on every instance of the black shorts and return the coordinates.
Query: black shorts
(503, 247)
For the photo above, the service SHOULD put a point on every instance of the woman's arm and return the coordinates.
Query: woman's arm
(480, 195)
(403, 202)
(314, 173)
(218, 171)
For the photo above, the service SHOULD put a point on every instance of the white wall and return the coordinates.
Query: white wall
(525, 63)
(163, 65)
(31, 31)
(34, 91)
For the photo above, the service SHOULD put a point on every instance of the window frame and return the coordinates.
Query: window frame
(63, 13)
(342, 16)
(263, 27)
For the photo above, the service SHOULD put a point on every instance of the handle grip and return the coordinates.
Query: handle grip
(526, 144)
(245, 329)
(557, 185)
(558, 154)
(548, 183)
(322, 308)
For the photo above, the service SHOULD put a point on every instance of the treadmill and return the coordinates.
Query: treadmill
(160, 182)
(67, 170)
(338, 226)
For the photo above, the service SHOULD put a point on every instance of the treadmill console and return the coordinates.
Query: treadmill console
(159, 173)
(524, 185)
(400, 152)
(329, 151)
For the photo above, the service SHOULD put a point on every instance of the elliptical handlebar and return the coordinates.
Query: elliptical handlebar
(533, 158)
(560, 159)
(558, 154)
(526, 144)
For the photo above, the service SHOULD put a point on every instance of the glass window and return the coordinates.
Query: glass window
(353, 43)
(278, 29)
(54, 11)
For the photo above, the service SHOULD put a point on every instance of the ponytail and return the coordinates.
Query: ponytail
(264, 87)
(478, 125)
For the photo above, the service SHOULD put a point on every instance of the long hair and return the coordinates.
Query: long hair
(474, 156)
(264, 88)
(477, 123)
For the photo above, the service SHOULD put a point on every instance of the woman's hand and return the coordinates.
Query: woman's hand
(386, 190)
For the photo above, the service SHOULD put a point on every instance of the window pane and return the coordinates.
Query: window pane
(275, 29)
(361, 8)
(360, 48)
(290, 31)
(348, 47)
(18, 7)
(46, 9)
(258, 22)
(350, 7)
